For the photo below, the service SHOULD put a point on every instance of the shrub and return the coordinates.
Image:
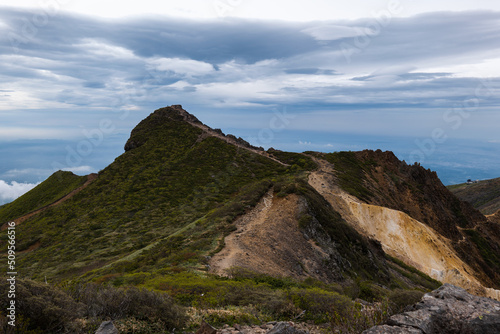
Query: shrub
(399, 299)
(356, 318)
(231, 315)
(318, 303)
(108, 302)
(42, 307)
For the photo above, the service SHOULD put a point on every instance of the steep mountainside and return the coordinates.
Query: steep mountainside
(483, 195)
(187, 198)
(376, 179)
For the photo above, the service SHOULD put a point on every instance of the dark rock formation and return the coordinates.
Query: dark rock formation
(107, 327)
(286, 328)
(447, 310)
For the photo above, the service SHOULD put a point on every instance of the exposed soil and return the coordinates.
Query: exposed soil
(400, 235)
(31, 248)
(269, 240)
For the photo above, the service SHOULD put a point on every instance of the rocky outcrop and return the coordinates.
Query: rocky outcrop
(286, 328)
(447, 310)
(107, 327)
(274, 327)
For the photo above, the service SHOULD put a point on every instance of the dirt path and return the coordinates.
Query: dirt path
(234, 249)
(269, 240)
(90, 178)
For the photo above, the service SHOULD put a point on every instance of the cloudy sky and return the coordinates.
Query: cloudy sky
(420, 78)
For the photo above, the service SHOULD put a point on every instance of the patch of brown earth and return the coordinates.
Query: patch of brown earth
(31, 248)
(268, 240)
(494, 218)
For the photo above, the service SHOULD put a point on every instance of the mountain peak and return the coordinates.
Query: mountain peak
(176, 111)
(160, 118)
(173, 115)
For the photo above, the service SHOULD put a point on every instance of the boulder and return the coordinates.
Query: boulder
(447, 310)
(286, 328)
(107, 327)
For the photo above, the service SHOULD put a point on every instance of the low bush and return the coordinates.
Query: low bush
(41, 307)
(318, 303)
(399, 299)
(355, 318)
(107, 302)
(248, 315)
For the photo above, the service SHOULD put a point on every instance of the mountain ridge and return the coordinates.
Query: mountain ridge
(181, 190)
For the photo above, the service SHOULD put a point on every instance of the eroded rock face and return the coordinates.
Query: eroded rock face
(447, 310)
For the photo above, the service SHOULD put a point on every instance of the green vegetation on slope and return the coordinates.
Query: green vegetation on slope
(56, 186)
(491, 257)
(483, 195)
(351, 172)
(178, 301)
(296, 160)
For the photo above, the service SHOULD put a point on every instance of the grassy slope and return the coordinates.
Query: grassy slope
(56, 186)
(484, 195)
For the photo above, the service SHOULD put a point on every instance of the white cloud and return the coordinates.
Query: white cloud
(9, 192)
(487, 68)
(298, 10)
(14, 132)
(188, 67)
(103, 49)
(80, 169)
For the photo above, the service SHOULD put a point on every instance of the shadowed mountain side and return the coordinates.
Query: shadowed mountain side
(483, 195)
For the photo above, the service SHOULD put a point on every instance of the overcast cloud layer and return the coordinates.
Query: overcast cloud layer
(81, 84)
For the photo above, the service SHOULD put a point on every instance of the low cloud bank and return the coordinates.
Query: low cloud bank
(9, 192)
